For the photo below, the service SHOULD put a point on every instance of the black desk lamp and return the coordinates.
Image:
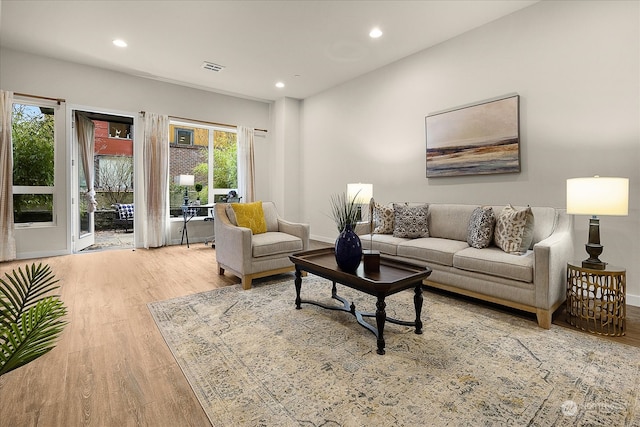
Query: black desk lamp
(185, 181)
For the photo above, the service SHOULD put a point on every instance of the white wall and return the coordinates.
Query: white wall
(576, 68)
(285, 165)
(110, 91)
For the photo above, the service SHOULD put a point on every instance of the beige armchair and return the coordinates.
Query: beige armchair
(250, 256)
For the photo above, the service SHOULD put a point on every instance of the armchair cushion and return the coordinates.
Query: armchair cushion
(273, 243)
(250, 215)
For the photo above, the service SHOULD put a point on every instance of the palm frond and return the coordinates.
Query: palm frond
(30, 317)
(22, 290)
(34, 335)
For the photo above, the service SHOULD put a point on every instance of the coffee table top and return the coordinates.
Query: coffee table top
(393, 275)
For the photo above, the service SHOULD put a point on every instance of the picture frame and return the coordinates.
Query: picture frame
(476, 139)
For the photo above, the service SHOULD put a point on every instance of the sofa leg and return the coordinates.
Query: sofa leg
(246, 282)
(220, 270)
(544, 318)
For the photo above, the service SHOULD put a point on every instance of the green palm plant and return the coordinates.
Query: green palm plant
(344, 211)
(30, 319)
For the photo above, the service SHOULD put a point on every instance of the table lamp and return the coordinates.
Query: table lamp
(361, 194)
(185, 181)
(597, 196)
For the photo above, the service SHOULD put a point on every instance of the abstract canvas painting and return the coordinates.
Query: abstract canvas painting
(478, 139)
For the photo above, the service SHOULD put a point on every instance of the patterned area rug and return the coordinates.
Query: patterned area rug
(253, 359)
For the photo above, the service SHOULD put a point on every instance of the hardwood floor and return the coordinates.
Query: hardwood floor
(111, 366)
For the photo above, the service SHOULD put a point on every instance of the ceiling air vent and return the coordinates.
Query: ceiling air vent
(212, 67)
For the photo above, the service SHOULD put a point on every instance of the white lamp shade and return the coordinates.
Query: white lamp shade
(362, 193)
(184, 180)
(598, 196)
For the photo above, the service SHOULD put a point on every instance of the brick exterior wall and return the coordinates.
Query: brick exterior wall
(107, 146)
(184, 158)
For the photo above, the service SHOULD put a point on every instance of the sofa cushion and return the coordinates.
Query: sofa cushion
(450, 221)
(250, 215)
(514, 230)
(431, 249)
(382, 219)
(481, 226)
(273, 243)
(495, 262)
(410, 221)
(385, 243)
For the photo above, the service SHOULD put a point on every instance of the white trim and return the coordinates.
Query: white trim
(633, 300)
(71, 185)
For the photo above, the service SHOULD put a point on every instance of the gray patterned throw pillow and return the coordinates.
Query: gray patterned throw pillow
(410, 221)
(481, 226)
(514, 230)
(382, 219)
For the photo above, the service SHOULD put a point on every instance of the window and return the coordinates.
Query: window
(211, 159)
(184, 136)
(34, 140)
(119, 130)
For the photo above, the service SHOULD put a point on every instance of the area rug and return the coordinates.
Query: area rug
(253, 359)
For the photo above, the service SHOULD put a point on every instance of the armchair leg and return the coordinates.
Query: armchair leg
(220, 270)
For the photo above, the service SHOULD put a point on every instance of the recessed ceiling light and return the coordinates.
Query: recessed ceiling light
(375, 33)
(280, 85)
(120, 43)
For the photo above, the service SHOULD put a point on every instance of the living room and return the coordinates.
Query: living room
(575, 66)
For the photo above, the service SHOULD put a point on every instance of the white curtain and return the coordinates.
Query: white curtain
(86, 132)
(246, 164)
(155, 160)
(7, 227)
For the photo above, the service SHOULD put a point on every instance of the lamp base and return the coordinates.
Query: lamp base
(594, 265)
(186, 197)
(593, 262)
(593, 247)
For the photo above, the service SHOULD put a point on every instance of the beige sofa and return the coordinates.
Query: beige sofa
(533, 282)
(250, 256)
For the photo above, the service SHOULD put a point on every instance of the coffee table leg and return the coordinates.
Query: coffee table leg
(298, 283)
(381, 316)
(417, 301)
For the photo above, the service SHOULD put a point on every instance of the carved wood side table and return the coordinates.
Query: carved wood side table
(596, 299)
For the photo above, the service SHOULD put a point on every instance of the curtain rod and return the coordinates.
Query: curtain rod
(58, 100)
(206, 122)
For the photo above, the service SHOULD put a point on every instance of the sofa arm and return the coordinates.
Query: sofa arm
(231, 243)
(295, 229)
(551, 256)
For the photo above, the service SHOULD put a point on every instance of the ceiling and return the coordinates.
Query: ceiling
(308, 45)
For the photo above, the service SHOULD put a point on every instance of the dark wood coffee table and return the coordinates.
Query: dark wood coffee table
(394, 276)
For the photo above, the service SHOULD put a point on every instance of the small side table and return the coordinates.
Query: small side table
(596, 299)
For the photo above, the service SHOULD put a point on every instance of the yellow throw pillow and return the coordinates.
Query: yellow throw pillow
(250, 215)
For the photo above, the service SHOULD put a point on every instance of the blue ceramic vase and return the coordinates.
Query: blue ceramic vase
(348, 250)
